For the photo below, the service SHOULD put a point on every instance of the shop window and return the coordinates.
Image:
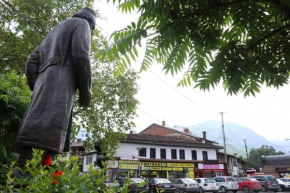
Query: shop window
(173, 154)
(152, 153)
(193, 155)
(163, 153)
(142, 152)
(204, 155)
(181, 154)
(89, 160)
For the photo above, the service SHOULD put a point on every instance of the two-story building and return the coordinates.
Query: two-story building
(163, 152)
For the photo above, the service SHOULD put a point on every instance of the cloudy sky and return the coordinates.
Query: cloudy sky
(161, 100)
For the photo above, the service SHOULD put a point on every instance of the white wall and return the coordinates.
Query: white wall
(131, 149)
(85, 165)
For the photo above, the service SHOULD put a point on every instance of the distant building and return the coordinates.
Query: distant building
(276, 165)
(235, 164)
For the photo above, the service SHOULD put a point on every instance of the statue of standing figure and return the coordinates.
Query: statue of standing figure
(55, 70)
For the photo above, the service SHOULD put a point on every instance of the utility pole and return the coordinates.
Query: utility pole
(225, 146)
(246, 151)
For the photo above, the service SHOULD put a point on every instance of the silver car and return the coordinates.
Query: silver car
(227, 183)
(186, 185)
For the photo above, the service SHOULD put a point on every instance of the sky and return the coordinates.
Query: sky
(160, 99)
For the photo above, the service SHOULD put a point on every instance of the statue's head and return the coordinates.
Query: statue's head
(89, 15)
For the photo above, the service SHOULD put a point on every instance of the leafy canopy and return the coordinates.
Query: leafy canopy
(255, 154)
(241, 43)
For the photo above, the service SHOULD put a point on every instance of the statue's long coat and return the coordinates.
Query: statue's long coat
(55, 70)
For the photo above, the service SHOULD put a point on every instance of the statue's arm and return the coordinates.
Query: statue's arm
(81, 47)
(32, 67)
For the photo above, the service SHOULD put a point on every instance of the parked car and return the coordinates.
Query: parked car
(284, 185)
(268, 182)
(185, 185)
(160, 184)
(207, 185)
(227, 183)
(138, 185)
(287, 180)
(249, 184)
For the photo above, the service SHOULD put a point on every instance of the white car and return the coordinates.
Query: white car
(207, 185)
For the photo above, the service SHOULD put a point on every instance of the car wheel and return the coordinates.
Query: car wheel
(280, 189)
(246, 189)
(264, 189)
(180, 191)
(223, 189)
(200, 190)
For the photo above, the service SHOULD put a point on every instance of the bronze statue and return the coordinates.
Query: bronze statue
(55, 70)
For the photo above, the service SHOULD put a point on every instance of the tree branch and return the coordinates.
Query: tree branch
(280, 5)
(214, 7)
(269, 35)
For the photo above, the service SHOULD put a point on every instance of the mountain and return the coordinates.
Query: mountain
(236, 137)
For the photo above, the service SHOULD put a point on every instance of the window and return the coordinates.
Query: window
(173, 154)
(89, 160)
(204, 155)
(193, 155)
(234, 163)
(142, 152)
(163, 153)
(181, 154)
(152, 153)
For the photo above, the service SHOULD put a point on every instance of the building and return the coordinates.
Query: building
(276, 165)
(235, 165)
(159, 151)
(168, 157)
(77, 149)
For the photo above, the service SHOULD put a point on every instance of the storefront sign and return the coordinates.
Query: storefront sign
(188, 165)
(128, 162)
(210, 166)
(152, 164)
(155, 168)
(128, 166)
(112, 164)
(129, 157)
(177, 169)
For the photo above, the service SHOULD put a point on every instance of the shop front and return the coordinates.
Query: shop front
(166, 170)
(284, 172)
(209, 170)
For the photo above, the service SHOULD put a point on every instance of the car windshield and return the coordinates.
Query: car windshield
(188, 181)
(271, 178)
(137, 180)
(285, 180)
(162, 181)
(209, 181)
(253, 179)
(232, 180)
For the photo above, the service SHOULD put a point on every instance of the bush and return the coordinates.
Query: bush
(62, 176)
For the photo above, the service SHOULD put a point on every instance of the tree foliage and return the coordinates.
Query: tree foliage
(111, 111)
(23, 25)
(14, 99)
(241, 43)
(255, 155)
